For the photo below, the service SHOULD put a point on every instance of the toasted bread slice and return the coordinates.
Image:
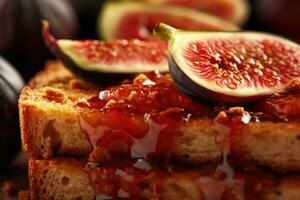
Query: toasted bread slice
(51, 114)
(71, 179)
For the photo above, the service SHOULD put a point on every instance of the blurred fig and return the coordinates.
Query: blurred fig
(130, 19)
(281, 16)
(21, 41)
(235, 11)
(11, 84)
(7, 21)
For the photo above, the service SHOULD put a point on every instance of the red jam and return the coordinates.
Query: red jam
(140, 121)
(280, 107)
(126, 181)
(284, 107)
(144, 117)
(228, 125)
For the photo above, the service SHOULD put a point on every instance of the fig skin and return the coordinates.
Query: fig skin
(21, 42)
(11, 84)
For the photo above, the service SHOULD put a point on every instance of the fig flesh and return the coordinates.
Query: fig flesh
(231, 67)
(102, 60)
(137, 20)
(236, 11)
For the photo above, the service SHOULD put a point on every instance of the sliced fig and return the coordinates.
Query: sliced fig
(232, 67)
(136, 20)
(95, 60)
(236, 11)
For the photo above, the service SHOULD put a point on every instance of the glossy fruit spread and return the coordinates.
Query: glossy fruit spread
(141, 121)
(143, 117)
(125, 180)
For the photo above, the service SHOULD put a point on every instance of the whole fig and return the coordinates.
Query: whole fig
(11, 84)
(20, 36)
(281, 16)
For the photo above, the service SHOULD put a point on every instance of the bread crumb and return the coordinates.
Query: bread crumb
(54, 94)
(221, 116)
(236, 110)
(23, 195)
(140, 79)
(9, 188)
(132, 95)
(75, 84)
(171, 111)
(83, 103)
(110, 102)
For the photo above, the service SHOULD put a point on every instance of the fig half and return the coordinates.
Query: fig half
(128, 19)
(236, 11)
(231, 67)
(106, 61)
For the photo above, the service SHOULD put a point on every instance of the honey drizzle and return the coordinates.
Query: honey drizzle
(162, 117)
(139, 148)
(225, 179)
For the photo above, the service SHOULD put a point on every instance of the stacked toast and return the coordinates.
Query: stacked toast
(143, 138)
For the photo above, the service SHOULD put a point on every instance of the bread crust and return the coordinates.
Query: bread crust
(50, 126)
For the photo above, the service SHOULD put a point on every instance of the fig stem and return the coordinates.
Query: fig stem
(164, 31)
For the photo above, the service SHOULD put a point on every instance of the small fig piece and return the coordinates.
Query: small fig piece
(137, 19)
(231, 67)
(103, 60)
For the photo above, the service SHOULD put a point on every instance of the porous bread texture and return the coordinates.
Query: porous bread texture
(50, 126)
(59, 180)
(273, 144)
(48, 117)
(66, 179)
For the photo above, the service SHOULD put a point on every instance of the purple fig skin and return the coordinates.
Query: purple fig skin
(194, 90)
(11, 75)
(11, 84)
(8, 21)
(92, 76)
(21, 42)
